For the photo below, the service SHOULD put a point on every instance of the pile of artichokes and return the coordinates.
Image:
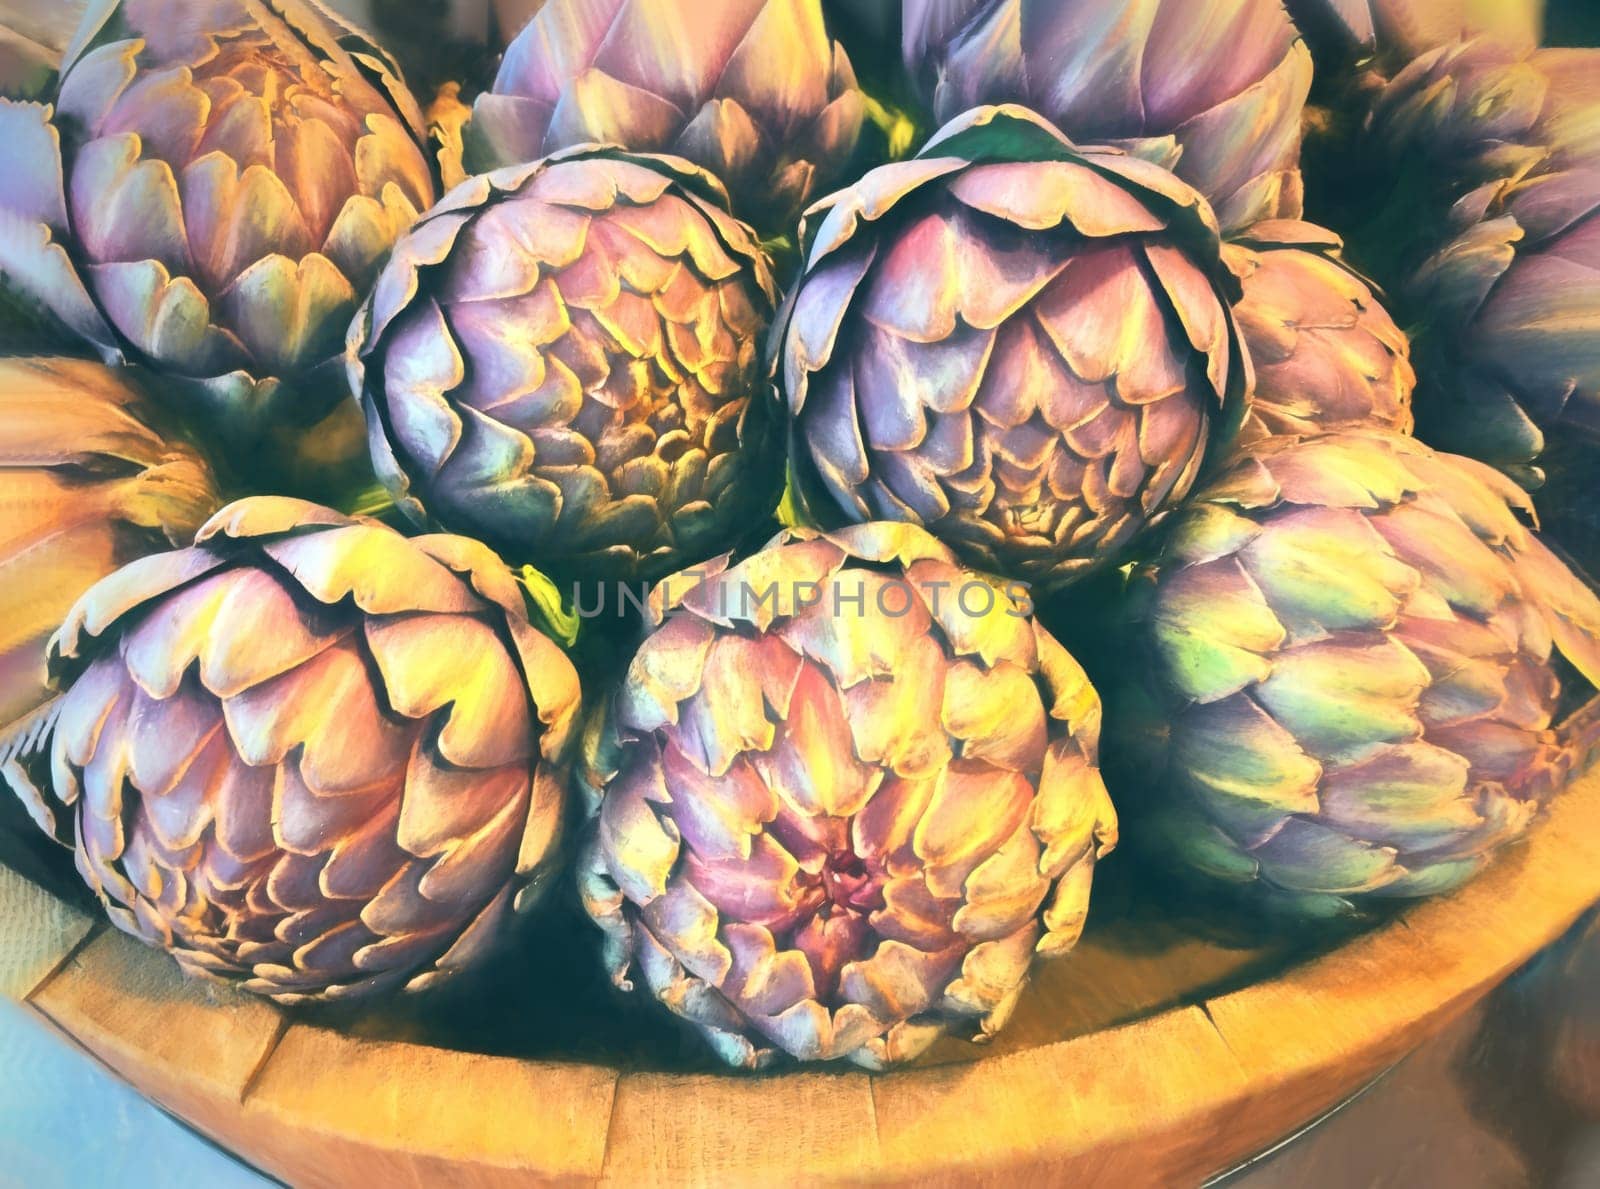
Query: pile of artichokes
(663, 484)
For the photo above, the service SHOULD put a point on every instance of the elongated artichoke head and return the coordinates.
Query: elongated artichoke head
(845, 794)
(562, 360)
(1019, 344)
(92, 477)
(211, 190)
(1213, 89)
(754, 91)
(1353, 645)
(1508, 293)
(1327, 354)
(308, 755)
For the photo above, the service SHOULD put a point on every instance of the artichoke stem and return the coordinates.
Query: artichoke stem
(548, 609)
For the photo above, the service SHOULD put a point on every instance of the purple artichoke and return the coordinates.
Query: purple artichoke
(1022, 345)
(849, 791)
(310, 756)
(1327, 354)
(562, 360)
(1403, 29)
(752, 90)
(1352, 646)
(1509, 304)
(215, 187)
(1213, 89)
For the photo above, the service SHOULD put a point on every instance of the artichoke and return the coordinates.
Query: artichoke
(1214, 89)
(1352, 647)
(91, 477)
(307, 755)
(845, 793)
(1022, 345)
(1327, 354)
(752, 90)
(561, 360)
(1403, 29)
(212, 191)
(1508, 304)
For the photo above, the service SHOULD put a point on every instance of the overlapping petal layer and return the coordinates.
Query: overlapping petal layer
(562, 360)
(1355, 642)
(1327, 354)
(1214, 89)
(844, 795)
(1024, 346)
(753, 90)
(308, 755)
(211, 192)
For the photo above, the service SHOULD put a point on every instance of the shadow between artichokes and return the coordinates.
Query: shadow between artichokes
(844, 795)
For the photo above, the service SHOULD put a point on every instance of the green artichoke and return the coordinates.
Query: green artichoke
(309, 756)
(562, 360)
(752, 90)
(1327, 354)
(210, 194)
(1351, 646)
(91, 477)
(1213, 89)
(1024, 346)
(845, 793)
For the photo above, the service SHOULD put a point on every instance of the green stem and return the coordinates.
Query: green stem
(374, 501)
(899, 129)
(551, 610)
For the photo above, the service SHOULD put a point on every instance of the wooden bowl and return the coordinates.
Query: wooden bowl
(1148, 1057)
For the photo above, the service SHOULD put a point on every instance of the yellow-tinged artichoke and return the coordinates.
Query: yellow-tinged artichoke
(562, 359)
(845, 793)
(91, 478)
(1352, 642)
(1327, 354)
(307, 754)
(210, 192)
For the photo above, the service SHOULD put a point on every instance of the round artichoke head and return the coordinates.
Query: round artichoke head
(1327, 354)
(844, 795)
(1214, 89)
(562, 360)
(1024, 346)
(1510, 293)
(1353, 645)
(753, 90)
(308, 755)
(211, 194)
(91, 478)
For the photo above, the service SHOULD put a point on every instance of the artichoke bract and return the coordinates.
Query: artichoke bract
(212, 191)
(1352, 648)
(754, 91)
(1021, 345)
(1509, 300)
(562, 360)
(309, 756)
(1327, 355)
(91, 477)
(845, 793)
(1214, 89)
